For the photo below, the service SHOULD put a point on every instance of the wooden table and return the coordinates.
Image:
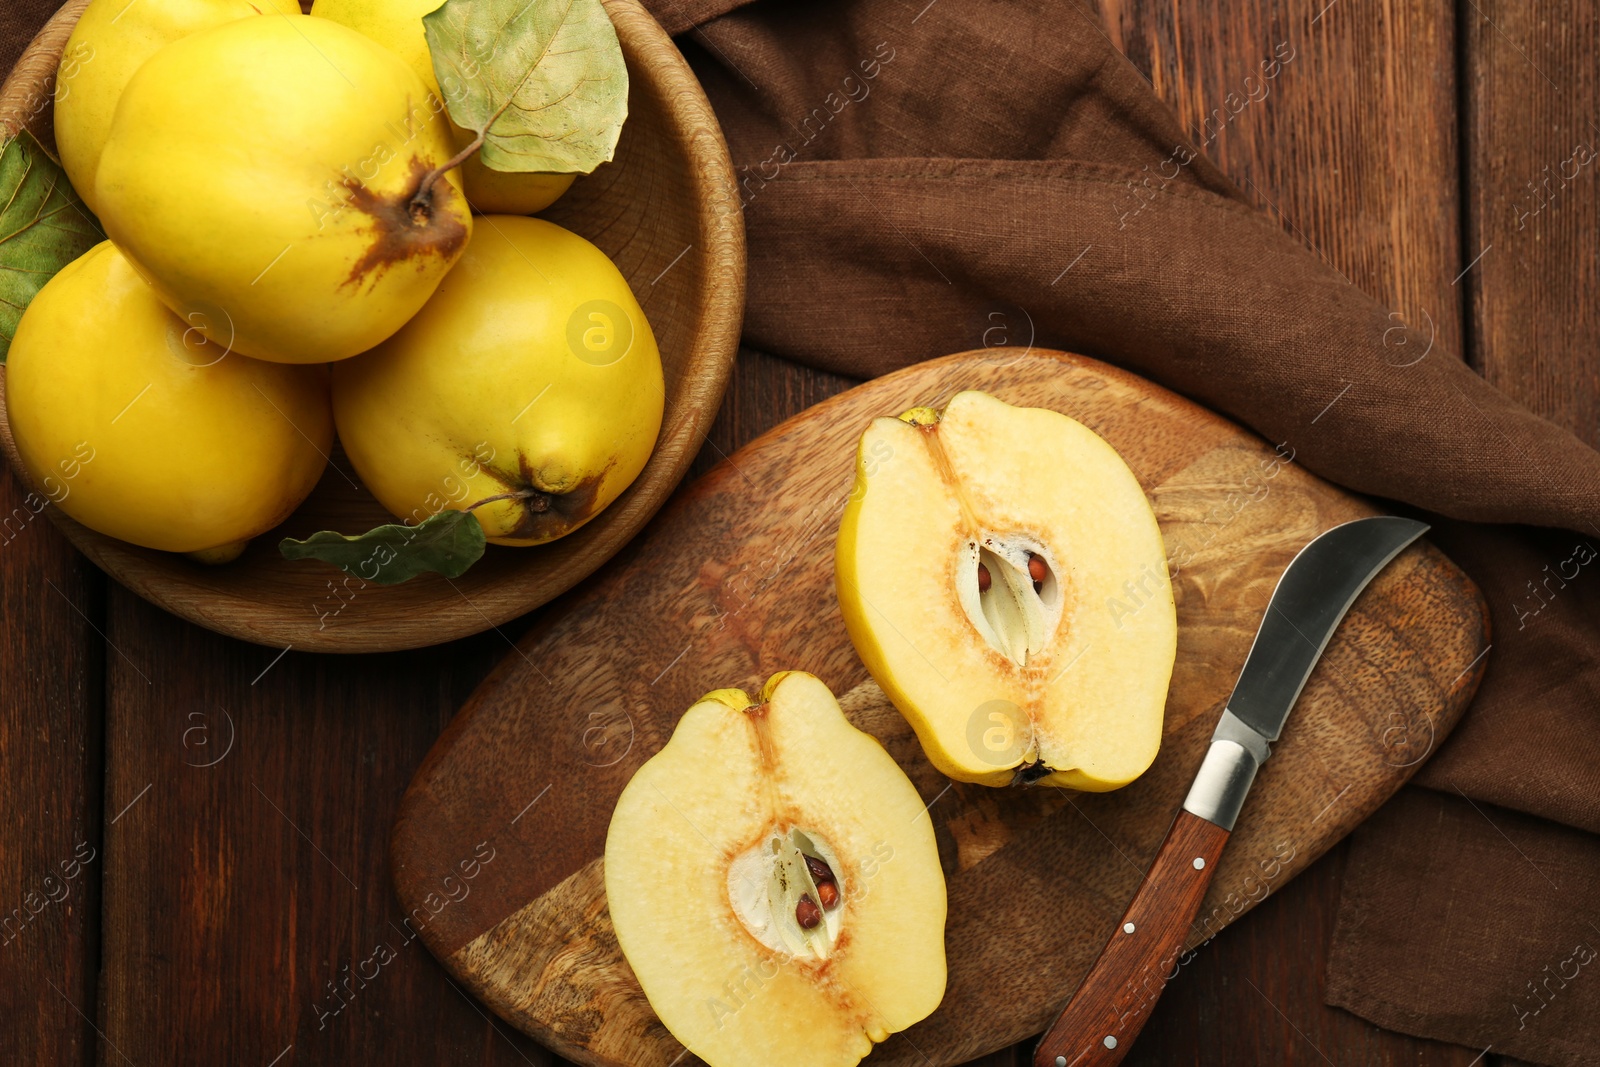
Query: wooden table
(223, 808)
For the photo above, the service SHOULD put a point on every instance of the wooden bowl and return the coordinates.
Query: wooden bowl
(666, 211)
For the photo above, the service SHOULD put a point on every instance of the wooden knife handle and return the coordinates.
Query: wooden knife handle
(1111, 1006)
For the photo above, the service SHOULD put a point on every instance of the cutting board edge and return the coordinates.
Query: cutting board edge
(419, 792)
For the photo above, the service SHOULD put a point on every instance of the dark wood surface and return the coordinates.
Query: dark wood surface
(1531, 131)
(1401, 148)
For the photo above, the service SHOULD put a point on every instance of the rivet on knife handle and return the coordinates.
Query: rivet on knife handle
(1111, 1006)
(1307, 605)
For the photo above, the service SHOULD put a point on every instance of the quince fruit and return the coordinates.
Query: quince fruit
(787, 907)
(397, 25)
(137, 426)
(1003, 579)
(528, 391)
(112, 39)
(277, 180)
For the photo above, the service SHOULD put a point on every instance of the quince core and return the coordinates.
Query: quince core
(1003, 579)
(774, 883)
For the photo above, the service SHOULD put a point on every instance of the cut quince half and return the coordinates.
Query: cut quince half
(774, 883)
(1004, 581)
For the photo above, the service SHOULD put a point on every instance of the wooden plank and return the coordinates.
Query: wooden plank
(770, 403)
(52, 677)
(1532, 91)
(51, 694)
(248, 912)
(1353, 147)
(742, 546)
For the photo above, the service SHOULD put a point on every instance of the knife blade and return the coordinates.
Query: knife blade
(1311, 598)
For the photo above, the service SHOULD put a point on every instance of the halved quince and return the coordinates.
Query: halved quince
(774, 883)
(1003, 579)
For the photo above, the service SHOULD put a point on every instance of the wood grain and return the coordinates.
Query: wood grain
(1352, 146)
(1533, 181)
(1143, 953)
(1530, 94)
(735, 582)
(1251, 997)
(50, 726)
(247, 911)
(666, 211)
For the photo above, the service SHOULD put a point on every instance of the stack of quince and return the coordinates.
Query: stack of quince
(293, 249)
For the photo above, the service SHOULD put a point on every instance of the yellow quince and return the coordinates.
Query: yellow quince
(278, 179)
(138, 427)
(528, 391)
(112, 39)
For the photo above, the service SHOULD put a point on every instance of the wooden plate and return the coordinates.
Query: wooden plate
(734, 582)
(666, 211)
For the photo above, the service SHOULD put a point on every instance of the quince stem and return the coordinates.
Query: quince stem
(419, 202)
(529, 493)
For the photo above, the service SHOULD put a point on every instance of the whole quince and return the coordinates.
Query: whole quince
(397, 25)
(279, 180)
(138, 427)
(528, 391)
(112, 40)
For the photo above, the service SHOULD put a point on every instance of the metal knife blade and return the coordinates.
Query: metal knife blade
(1311, 599)
(1112, 1004)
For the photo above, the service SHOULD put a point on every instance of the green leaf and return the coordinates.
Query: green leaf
(447, 543)
(43, 227)
(542, 80)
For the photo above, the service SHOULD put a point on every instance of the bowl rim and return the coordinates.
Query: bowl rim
(175, 584)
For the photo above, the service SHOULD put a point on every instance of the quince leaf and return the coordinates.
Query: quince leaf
(447, 543)
(43, 227)
(542, 81)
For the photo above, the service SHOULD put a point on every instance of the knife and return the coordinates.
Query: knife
(1109, 1009)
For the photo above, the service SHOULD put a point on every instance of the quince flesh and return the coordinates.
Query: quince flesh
(725, 838)
(1003, 579)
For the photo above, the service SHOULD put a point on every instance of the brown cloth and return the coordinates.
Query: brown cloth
(920, 178)
(920, 175)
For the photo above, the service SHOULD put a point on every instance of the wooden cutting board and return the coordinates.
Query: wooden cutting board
(497, 851)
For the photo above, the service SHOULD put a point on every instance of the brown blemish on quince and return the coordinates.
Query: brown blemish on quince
(545, 516)
(407, 227)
